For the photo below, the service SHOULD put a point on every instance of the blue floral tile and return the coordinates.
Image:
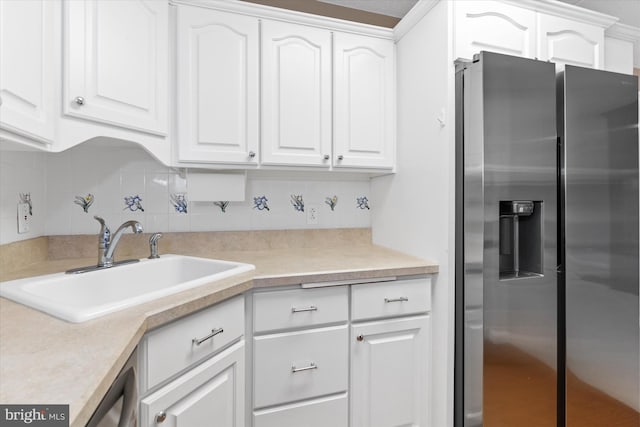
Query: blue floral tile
(260, 203)
(179, 202)
(133, 203)
(222, 205)
(332, 202)
(297, 202)
(85, 202)
(362, 202)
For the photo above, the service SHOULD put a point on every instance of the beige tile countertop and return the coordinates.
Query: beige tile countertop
(44, 360)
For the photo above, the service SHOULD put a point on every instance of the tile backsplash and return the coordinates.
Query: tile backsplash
(120, 183)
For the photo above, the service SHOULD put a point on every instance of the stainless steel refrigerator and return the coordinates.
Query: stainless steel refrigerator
(547, 319)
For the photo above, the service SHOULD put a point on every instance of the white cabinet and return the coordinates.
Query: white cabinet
(364, 101)
(389, 373)
(493, 26)
(28, 36)
(565, 41)
(301, 357)
(296, 95)
(115, 63)
(195, 369)
(391, 358)
(217, 86)
(618, 55)
(210, 394)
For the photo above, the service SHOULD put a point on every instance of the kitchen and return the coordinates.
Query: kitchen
(369, 199)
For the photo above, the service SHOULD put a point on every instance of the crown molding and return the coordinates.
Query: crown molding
(623, 32)
(417, 12)
(564, 10)
(268, 12)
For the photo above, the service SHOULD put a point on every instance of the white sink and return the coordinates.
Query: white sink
(81, 297)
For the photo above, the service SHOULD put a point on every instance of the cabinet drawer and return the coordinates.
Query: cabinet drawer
(299, 365)
(172, 348)
(388, 299)
(327, 411)
(300, 308)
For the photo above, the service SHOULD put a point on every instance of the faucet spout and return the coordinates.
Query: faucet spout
(135, 226)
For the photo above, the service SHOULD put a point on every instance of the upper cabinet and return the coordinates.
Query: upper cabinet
(495, 27)
(296, 95)
(364, 101)
(565, 41)
(217, 86)
(564, 35)
(115, 69)
(27, 67)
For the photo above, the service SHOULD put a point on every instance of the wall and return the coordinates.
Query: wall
(415, 208)
(111, 173)
(22, 172)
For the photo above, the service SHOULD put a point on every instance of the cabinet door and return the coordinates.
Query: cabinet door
(564, 41)
(364, 101)
(296, 95)
(217, 84)
(116, 62)
(27, 76)
(493, 26)
(390, 363)
(212, 394)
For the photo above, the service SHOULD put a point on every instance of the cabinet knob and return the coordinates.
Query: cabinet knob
(340, 157)
(79, 100)
(325, 157)
(160, 417)
(360, 338)
(252, 154)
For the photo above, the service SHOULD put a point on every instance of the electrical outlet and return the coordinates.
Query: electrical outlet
(24, 218)
(312, 214)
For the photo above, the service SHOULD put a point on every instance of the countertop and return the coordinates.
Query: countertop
(44, 360)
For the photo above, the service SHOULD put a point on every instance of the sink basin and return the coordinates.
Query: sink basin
(81, 297)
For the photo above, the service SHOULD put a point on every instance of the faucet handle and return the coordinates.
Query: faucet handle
(153, 245)
(105, 233)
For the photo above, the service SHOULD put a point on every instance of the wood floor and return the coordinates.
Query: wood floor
(520, 391)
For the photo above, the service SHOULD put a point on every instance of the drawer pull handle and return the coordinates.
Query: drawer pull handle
(301, 310)
(401, 299)
(306, 368)
(213, 333)
(360, 338)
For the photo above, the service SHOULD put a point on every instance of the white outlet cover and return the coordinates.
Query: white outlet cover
(24, 218)
(312, 214)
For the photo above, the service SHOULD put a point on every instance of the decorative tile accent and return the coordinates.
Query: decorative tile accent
(297, 202)
(332, 202)
(260, 203)
(222, 205)
(179, 202)
(26, 198)
(133, 203)
(363, 202)
(85, 202)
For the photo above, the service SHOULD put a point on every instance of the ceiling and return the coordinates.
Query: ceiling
(387, 13)
(627, 10)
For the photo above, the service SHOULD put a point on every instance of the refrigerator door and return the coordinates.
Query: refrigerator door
(508, 277)
(600, 197)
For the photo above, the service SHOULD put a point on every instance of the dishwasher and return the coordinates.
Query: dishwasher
(118, 407)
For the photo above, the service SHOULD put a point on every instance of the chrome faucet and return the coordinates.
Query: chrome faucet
(107, 246)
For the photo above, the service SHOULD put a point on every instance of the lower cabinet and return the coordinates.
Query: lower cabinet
(210, 394)
(389, 373)
(324, 412)
(354, 355)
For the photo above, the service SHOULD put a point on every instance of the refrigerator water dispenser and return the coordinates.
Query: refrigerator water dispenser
(520, 239)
